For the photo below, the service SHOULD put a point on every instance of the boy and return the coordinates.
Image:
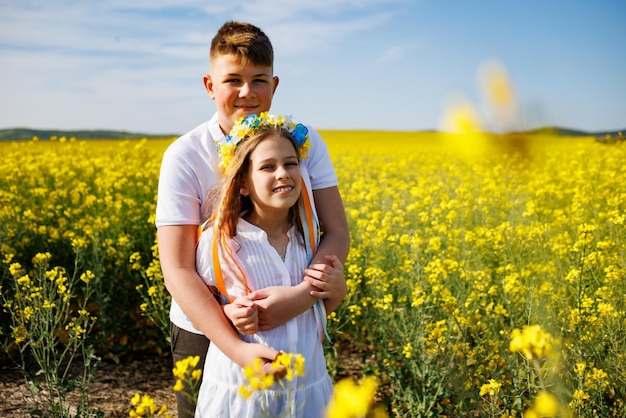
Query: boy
(241, 82)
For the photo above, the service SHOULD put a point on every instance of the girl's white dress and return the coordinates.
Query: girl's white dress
(219, 393)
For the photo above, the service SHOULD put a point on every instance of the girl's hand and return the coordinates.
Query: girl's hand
(243, 314)
(329, 279)
(278, 304)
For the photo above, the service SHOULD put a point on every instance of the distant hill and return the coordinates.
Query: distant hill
(556, 130)
(21, 134)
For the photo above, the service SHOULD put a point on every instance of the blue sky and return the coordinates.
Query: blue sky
(343, 64)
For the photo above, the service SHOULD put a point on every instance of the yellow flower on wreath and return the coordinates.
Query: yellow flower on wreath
(247, 126)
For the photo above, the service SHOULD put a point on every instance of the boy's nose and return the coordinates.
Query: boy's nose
(245, 90)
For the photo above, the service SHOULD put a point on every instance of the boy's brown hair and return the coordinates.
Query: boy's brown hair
(245, 41)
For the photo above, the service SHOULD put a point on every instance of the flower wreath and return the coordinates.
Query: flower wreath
(249, 125)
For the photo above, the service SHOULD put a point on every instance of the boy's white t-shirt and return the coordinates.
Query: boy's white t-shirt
(190, 169)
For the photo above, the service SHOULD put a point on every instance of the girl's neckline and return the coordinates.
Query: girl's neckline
(279, 242)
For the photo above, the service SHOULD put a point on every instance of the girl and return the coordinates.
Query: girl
(262, 234)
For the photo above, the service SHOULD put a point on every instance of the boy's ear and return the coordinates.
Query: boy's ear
(276, 80)
(208, 85)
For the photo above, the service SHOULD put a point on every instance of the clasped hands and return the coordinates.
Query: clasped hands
(262, 309)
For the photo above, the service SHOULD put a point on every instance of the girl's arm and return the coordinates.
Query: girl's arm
(278, 304)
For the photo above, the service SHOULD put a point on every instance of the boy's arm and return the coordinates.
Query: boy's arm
(336, 237)
(278, 306)
(177, 252)
(335, 243)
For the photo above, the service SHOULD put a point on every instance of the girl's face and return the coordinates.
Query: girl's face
(273, 181)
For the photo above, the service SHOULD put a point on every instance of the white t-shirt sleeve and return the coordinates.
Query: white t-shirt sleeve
(178, 198)
(189, 170)
(318, 164)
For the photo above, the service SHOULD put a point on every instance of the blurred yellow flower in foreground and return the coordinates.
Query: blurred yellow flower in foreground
(496, 84)
(461, 118)
(545, 405)
(352, 400)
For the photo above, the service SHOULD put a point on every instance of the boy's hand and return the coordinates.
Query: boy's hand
(252, 351)
(243, 314)
(328, 279)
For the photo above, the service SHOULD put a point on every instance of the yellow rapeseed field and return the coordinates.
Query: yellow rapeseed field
(487, 274)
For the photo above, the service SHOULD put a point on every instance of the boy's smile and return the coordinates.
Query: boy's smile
(239, 89)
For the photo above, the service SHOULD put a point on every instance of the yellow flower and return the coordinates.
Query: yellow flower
(87, 276)
(579, 398)
(48, 305)
(20, 334)
(462, 118)
(351, 400)
(545, 405)
(42, 259)
(135, 399)
(492, 388)
(135, 261)
(245, 391)
(146, 407)
(179, 386)
(257, 379)
(580, 395)
(532, 341)
(27, 312)
(24, 281)
(181, 367)
(407, 350)
(299, 365)
(579, 368)
(16, 269)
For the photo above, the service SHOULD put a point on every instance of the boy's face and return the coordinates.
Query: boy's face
(239, 90)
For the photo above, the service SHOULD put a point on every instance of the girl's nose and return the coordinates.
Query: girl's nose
(282, 173)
